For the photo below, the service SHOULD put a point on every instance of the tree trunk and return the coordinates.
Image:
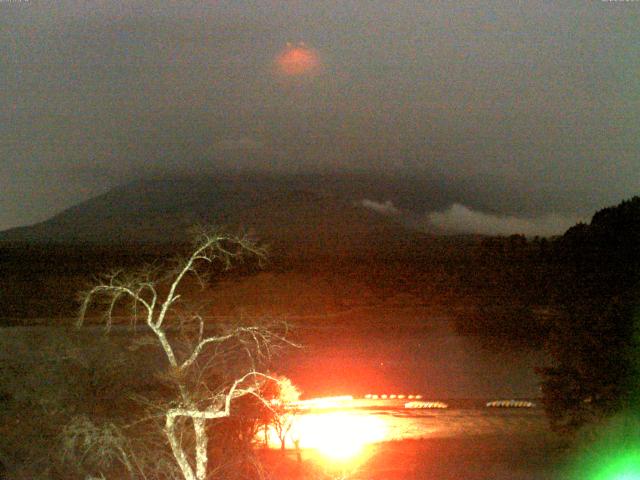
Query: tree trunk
(201, 448)
(176, 448)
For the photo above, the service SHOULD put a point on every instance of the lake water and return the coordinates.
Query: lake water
(431, 360)
(463, 442)
(378, 421)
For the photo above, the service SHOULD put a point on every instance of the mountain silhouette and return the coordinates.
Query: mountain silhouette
(303, 214)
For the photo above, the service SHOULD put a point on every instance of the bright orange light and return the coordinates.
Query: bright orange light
(340, 401)
(298, 60)
(338, 436)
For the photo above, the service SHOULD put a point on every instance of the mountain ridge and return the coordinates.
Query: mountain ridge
(290, 212)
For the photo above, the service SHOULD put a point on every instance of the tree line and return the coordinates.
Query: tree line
(577, 296)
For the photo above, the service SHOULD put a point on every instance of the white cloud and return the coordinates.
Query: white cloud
(461, 219)
(386, 208)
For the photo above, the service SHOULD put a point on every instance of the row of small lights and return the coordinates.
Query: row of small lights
(371, 396)
(495, 403)
(341, 400)
(511, 403)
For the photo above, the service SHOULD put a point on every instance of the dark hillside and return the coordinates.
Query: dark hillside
(593, 343)
(289, 213)
(42, 280)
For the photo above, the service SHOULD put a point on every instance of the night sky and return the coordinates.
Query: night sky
(542, 94)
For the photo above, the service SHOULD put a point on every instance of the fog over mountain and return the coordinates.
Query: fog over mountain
(537, 98)
(317, 210)
(461, 219)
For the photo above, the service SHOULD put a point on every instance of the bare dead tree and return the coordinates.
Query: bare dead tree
(155, 300)
(283, 410)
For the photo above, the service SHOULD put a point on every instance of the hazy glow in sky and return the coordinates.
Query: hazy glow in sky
(296, 60)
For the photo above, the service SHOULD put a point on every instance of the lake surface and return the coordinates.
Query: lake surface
(464, 442)
(392, 358)
(392, 420)
(431, 360)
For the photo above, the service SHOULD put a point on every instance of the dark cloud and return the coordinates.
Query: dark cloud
(542, 94)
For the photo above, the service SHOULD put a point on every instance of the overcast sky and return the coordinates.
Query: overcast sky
(544, 94)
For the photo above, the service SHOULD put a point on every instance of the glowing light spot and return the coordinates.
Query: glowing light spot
(339, 436)
(614, 454)
(623, 467)
(340, 401)
(297, 60)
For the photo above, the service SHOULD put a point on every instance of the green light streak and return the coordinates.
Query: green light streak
(624, 467)
(615, 455)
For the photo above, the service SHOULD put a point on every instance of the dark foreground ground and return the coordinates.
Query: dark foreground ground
(477, 457)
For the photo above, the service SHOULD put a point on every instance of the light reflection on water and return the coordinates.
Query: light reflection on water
(467, 441)
(389, 421)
